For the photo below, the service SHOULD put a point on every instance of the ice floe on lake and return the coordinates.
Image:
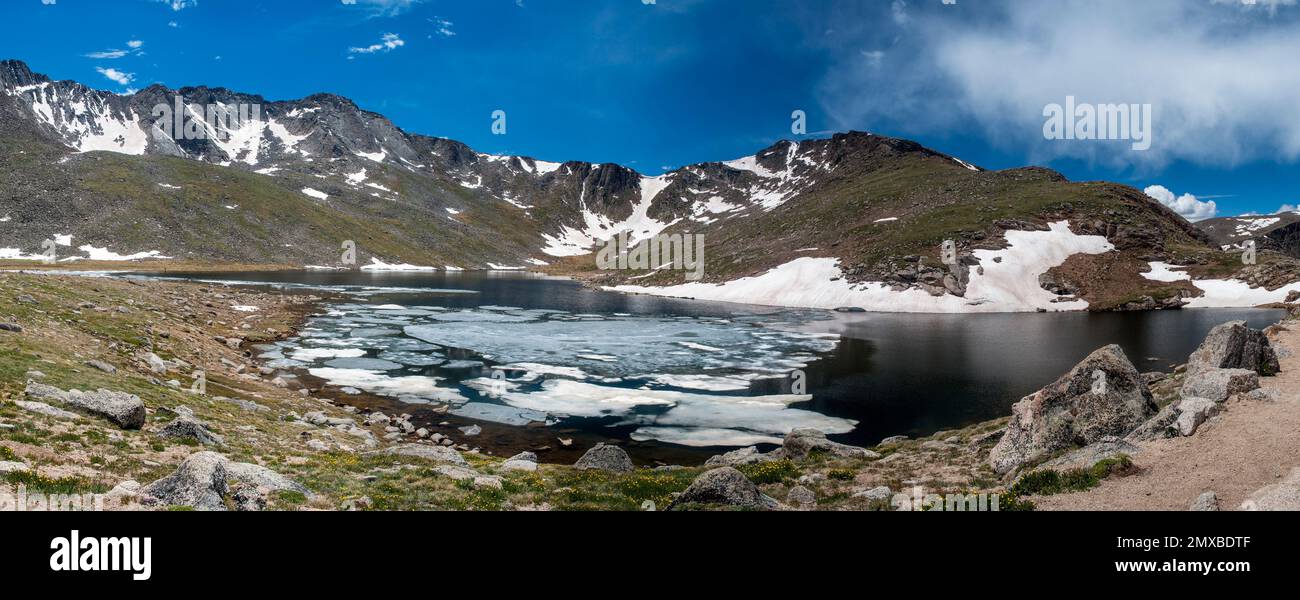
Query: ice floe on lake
(676, 379)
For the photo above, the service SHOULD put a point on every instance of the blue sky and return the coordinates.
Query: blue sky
(682, 81)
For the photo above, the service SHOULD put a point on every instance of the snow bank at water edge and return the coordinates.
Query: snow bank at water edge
(1221, 293)
(379, 265)
(1006, 285)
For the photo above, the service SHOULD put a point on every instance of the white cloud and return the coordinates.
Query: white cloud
(385, 8)
(107, 54)
(116, 75)
(179, 5)
(135, 47)
(1221, 78)
(1186, 205)
(390, 42)
(48, 2)
(443, 27)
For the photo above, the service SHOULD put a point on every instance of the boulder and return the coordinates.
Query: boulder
(156, 364)
(802, 442)
(102, 366)
(9, 466)
(1207, 502)
(604, 457)
(1234, 345)
(1079, 409)
(1158, 427)
(42, 408)
(727, 486)
(1282, 496)
(1219, 384)
(125, 410)
(801, 496)
(439, 454)
(743, 456)
(199, 482)
(187, 426)
(1194, 411)
(875, 494)
(524, 461)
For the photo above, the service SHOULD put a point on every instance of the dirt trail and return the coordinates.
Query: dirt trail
(1249, 446)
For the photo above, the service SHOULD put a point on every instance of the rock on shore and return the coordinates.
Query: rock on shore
(1101, 397)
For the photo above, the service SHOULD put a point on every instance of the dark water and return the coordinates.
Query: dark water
(896, 374)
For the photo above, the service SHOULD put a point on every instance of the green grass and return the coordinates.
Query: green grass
(1049, 482)
(776, 471)
(64, 485)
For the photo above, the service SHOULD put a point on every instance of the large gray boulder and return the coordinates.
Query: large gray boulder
(125, 410)
(1079, 409)
(199, 482)
(1233, 345)
(1219, 384)
(727, 486)
(802, 442)
(210, 481)
(604, 457)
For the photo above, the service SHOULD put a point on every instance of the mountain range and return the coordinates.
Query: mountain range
(852, 220)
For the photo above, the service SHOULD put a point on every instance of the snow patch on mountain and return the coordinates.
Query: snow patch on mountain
(1220, 293)
(1006, 285)
(86, 122)
(597, 228)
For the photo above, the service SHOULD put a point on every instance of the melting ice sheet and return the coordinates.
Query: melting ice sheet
(680, 380)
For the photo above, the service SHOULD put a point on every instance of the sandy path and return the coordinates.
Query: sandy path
(1249, 446)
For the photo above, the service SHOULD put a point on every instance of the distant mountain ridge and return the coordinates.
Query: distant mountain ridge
(303, 176)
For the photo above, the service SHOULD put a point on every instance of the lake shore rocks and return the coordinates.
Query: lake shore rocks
(802, 442)
(1219, 384)
(1102, 396)
(1234, 345)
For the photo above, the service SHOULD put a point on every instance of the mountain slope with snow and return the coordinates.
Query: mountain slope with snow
(856, 218)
